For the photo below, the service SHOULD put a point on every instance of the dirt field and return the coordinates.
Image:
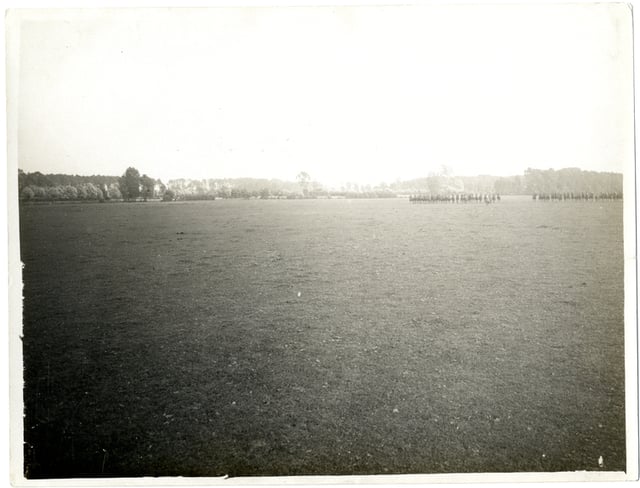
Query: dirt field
(322, 337)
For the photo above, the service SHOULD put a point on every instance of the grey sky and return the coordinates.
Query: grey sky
(347, 94)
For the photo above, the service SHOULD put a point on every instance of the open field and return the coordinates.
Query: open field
(322, 337)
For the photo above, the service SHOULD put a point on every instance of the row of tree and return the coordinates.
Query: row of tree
(46, 181)
(53, 187)
(442, 183)
(83, 191)
(192, 189)
(133, 186)
(570, 180)
(533, 181)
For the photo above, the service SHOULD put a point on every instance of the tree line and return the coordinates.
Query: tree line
(60, 187)
(37, 186)
(443, 183)
(533, 181)
(132, 186)
(571, 180)
(261, 188)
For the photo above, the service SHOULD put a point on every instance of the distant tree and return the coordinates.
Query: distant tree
(265, 193)
(168, 196)
(27, 193)
(225, 190)
(68, 192)
(148, 185)
(303, 180)
(570, 180)
(91, 191)
(533, 180)
(39, 192)
(435, 183)
(316, 188)
(113, 192)
(22, 180)
(240, 193)
(509, 185)
(56, 193)
(130, 184)
(81, 192)
(161, 188)
(38, 179)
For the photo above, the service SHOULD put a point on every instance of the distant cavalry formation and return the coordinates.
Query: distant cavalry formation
(578, 196)
(455, 198)
(495, 197)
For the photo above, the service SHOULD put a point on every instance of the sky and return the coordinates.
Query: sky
(347, 94)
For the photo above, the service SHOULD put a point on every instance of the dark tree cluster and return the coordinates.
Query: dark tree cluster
(133, 186)
(57, 187)
(38, 179)
(569, 181)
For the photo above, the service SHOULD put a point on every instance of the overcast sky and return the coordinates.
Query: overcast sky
(363, 94)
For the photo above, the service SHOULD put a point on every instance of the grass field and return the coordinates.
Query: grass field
(322, 337)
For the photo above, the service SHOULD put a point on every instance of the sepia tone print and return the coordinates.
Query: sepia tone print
(322, 241)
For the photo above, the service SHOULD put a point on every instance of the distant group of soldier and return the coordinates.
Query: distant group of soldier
(455, 198)
(577, 196)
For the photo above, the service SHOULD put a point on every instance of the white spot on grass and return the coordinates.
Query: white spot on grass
(395, 410)
(544, 455)
(601, 462)
(299, 294)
